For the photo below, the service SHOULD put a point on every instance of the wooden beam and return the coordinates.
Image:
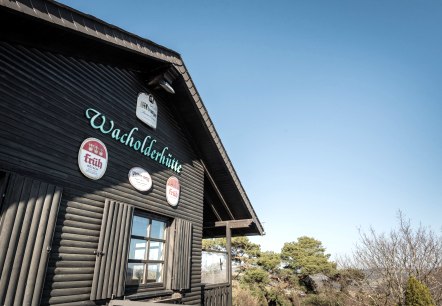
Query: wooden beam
(218, 193)
(244, 223)
(229, 261)
(215, 212)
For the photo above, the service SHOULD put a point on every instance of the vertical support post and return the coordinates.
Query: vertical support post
(229, 262)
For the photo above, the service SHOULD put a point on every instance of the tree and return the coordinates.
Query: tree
(307, 256)
(392, 258)
(241, 247)
(243, 251)
(215, 244)
(269, 261)
(417, 294)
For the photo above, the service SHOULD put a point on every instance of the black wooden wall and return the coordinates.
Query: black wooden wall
(43, 98)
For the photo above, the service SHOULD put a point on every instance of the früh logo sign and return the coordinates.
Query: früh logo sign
(93, 158)
(173, 191)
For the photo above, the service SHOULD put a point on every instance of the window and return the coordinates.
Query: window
(132, 246)
(147, 250)
(214, 267)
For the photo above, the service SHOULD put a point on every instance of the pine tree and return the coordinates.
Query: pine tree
(307, 256)
(417, 294)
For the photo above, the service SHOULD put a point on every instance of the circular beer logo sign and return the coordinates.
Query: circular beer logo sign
(140, 179)
(92, 158)
(173, 191)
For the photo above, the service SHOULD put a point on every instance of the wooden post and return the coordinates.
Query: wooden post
(229, 261)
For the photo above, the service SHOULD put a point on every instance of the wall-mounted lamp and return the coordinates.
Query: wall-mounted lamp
(162, 80)
(166, 86)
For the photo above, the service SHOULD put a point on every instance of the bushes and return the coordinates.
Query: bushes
(256, 276)
(276, 296)
(322, 300)
(242, 296)
(417, 294)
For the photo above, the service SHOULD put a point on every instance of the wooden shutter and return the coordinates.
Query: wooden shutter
(4, 177)
(181, 254)
(28, 217)
(110, 265)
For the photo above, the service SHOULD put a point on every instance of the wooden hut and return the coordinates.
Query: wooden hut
(111, 171)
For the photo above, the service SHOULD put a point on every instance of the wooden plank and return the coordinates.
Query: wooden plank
(245, 223)
(228, 300)
(218, 193)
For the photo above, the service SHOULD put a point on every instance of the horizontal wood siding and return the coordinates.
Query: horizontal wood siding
(43, 97)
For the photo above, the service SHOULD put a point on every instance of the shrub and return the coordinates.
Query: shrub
(322, 300)
(417, 294)
(256, 276)
(277, 297)
(244, 297)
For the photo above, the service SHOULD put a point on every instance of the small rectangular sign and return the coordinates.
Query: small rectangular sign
(147, 109)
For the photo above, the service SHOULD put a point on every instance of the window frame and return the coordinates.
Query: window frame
(209, 285)
(130, 287)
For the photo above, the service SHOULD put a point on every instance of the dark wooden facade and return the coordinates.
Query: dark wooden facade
(53, 218)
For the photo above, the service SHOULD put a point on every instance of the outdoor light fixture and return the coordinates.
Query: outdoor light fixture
(166, 86)
(163, 80)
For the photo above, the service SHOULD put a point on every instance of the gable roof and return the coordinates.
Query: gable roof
(52, 25)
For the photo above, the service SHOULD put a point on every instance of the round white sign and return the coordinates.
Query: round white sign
(173, 191)
(92, 158)
(140, 179)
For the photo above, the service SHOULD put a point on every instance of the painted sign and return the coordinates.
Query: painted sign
(146, 146)
(173, 191)
(147, 109)
(140, 179)
(92, 158)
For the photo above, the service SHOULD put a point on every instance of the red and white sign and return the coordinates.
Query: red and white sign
(92, 158)
(140, 179)
(173, 191)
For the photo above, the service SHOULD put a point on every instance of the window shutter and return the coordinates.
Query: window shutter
(110, 265)
(181, 254)
(29, 213)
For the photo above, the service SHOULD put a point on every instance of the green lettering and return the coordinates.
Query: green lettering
(123, 137)
(168, 160)
(144, 142)
(172, 165)
(153, 154)
(137, 145)
(98, 121)
(158, 155)
(97, 125)
(116, 134)
(163, 158)
(176, 165)
(130, 138)
(149, 148)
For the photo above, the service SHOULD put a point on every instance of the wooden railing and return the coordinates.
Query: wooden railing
(216, 295)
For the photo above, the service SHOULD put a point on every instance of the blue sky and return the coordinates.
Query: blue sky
(330, 110)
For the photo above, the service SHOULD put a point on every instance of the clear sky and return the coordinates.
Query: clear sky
(329, 110)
